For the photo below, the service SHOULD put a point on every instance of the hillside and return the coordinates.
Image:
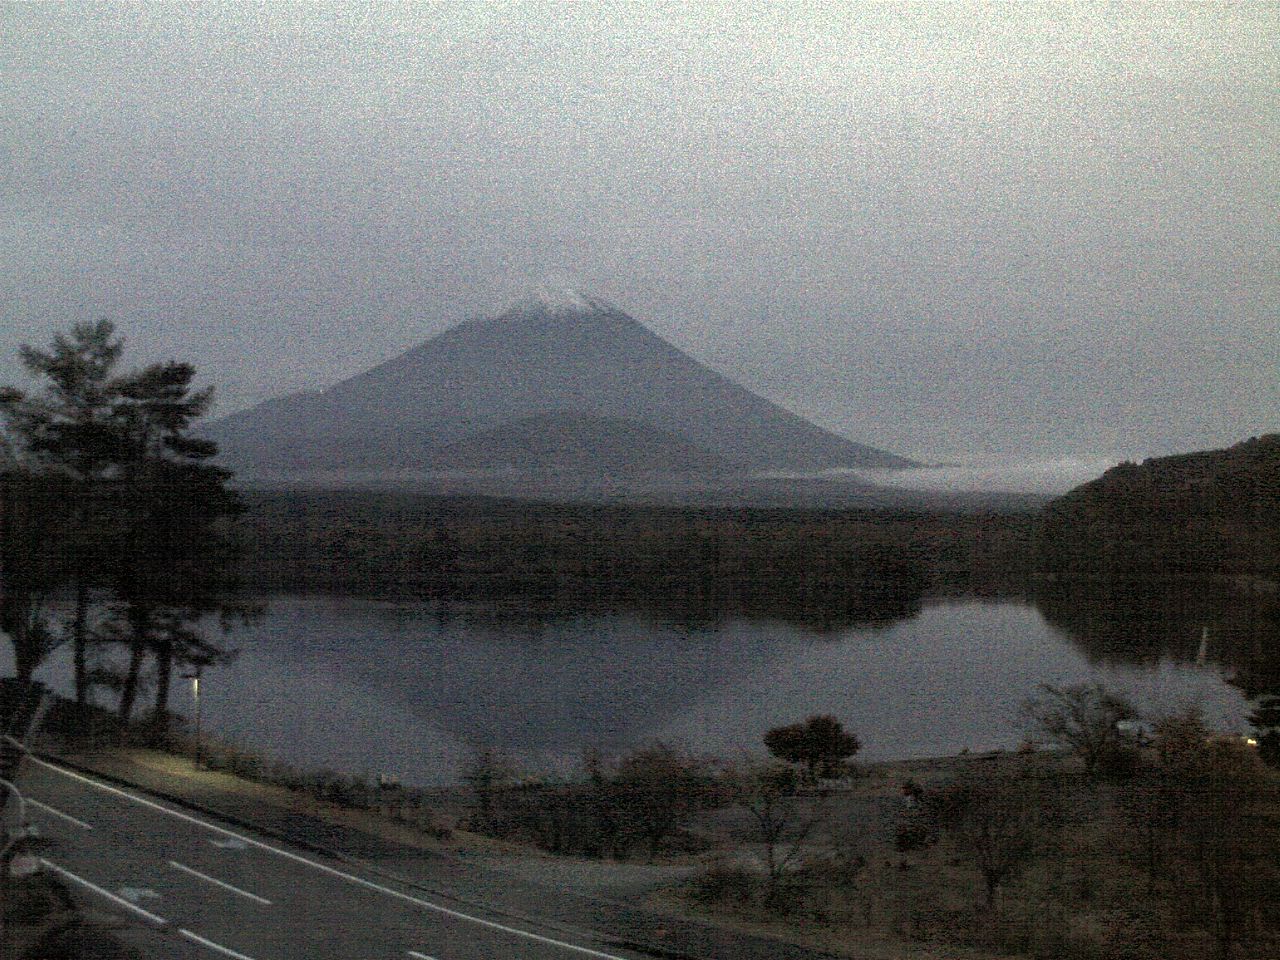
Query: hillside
(1208, 514)
(577, 384)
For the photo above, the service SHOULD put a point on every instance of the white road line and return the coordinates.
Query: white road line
(420, 956)
(118, 901)
(58, 813)
(219, 883)
(331, 871)
(225, 951)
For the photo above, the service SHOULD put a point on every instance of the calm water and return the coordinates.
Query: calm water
(369, 686)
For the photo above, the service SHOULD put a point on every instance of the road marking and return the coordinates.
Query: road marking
(58, 813)
(118, 901)
(228, 844)
(225, 951)
(333, 872)
(420, 956)
(134, 894)
(219, 883)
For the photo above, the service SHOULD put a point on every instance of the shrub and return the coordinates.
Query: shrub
(642, 799)
(998, 816)
(723, 883)
(1120, 761)
(914, 830)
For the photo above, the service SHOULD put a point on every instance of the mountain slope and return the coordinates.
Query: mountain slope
(538, 361)
(572, 442)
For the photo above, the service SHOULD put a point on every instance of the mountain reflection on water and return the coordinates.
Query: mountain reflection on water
(410, 687)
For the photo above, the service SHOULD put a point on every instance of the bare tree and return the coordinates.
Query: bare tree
(1081, 718)
(999, 816)
(781, 819)
(488, 775)
(1151, 804)
(1154, 802)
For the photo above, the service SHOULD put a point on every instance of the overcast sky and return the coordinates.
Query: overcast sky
(944, 231)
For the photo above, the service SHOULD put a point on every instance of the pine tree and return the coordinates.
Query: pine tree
(179, 508)
(33, 526)
(71, 429)
(151, 515)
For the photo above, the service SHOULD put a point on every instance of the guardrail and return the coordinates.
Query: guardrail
(22, 708)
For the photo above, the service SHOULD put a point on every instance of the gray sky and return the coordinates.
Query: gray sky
(1033, 231)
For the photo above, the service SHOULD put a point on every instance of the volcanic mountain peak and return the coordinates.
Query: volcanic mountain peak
(558, 372)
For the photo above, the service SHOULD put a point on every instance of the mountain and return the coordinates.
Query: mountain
(576, 442)
(573, 383)
(1214, 513)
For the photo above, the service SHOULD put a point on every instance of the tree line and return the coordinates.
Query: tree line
(115, 526)
(823, 569)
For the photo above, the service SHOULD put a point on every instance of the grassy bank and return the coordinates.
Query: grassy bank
(171, 751)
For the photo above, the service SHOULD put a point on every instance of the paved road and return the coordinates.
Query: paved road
(196, 889)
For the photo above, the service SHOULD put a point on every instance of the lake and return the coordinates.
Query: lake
(374, 686)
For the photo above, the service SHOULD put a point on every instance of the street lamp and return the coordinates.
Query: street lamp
(194, 677)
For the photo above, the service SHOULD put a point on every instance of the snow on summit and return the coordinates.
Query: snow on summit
(550, 297)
